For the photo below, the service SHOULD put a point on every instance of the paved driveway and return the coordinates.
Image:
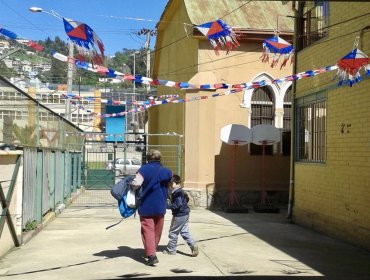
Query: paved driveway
(76, 245)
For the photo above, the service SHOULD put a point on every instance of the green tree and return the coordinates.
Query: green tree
(5, 71)
(26, 135)
(58, 71)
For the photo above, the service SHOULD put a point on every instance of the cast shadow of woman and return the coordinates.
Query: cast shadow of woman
(123, 251)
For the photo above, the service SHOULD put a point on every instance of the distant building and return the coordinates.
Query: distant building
(4, 44)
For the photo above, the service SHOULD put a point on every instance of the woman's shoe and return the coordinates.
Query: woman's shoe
(152, 260)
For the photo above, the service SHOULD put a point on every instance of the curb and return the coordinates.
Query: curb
(50, 216)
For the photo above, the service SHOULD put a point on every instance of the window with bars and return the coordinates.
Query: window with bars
(311, 128)
(285, 139)
(316, 20)
(263, 111)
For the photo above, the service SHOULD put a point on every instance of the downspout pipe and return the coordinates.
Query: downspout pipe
(298, 18)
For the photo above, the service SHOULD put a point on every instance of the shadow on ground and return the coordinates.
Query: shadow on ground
(333, 258)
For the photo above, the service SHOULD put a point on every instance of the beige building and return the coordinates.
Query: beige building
(183, 55)
(331, 171)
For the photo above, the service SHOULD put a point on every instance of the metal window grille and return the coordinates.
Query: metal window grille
(287, 118)
(262, 113)
(287, 109)
(311, 130)
(316, 20)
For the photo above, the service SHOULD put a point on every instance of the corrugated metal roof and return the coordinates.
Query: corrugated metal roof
(256, 15)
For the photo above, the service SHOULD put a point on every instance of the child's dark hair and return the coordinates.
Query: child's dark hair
(176, 179)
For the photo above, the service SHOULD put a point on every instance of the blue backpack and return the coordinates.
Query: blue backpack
(124, 209)
(119, 192)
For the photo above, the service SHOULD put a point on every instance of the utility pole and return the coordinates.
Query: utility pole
(79, 101)
(148, 60)
(69, 80)
(134, 87)
(148, 34)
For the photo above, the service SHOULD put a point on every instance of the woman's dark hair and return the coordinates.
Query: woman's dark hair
(176, 179)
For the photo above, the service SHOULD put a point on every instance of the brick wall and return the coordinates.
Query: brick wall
(334, 197)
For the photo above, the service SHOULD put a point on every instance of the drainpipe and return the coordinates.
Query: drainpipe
(298, 17)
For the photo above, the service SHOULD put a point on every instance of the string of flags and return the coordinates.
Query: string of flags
(11, 35)
(106, 136)
(144, 105)
(348, 70)
(179, 85)
(114, 102)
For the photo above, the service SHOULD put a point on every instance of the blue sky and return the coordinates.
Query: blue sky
(108, 18)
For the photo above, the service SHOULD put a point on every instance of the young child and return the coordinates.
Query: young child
(180, 218)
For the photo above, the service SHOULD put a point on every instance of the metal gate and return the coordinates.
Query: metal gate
(105, 162)
(95, 167)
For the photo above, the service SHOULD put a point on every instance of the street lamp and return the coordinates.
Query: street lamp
(40, 10)
(70, 60)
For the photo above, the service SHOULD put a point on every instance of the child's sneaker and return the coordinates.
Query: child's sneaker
(169, 252)
(194, 251)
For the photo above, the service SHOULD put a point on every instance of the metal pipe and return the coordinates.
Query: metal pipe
(297, 46)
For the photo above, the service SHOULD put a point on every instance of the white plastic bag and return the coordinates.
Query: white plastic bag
(130, 198)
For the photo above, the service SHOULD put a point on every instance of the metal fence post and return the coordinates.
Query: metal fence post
(79, 170)
(5, 203)
(179, 159)
(39, 187)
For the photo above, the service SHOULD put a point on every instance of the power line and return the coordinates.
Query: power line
(344, 21)
(14, 11)
(319, 42)
(207, 62)
(316, 43)
(236, 9)
(187, 35)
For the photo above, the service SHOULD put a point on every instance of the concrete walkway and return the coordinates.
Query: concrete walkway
(76, 245)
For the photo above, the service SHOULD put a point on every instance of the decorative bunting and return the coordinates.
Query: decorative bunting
(35, 46)
(7, 33)
(278, 47)
(350, 65)
(220, 35)
(60, 56)
(85, 39)
(144, 105)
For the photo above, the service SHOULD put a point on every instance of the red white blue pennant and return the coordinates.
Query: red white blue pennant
(350, 65)
(85, 39)
(276, 47)
(220, 35)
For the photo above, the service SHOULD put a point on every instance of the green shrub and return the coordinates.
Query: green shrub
(30, 225)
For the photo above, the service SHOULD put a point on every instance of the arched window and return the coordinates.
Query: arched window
(263, 110)
(262, 107)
